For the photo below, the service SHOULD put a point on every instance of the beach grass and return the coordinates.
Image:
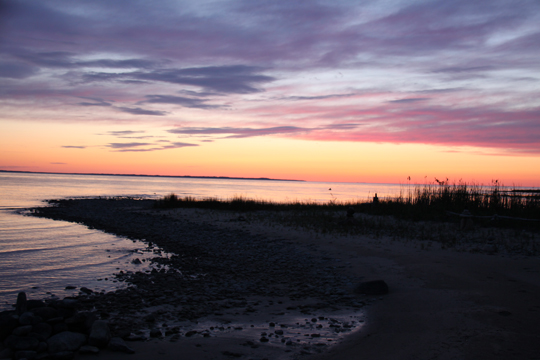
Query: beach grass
(439, 201)
(503, 219)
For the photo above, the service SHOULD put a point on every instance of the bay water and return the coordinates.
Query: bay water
(42, 257)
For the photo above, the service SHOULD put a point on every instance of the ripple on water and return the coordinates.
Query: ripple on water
(42, 256)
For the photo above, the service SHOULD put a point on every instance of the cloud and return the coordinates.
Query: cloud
(179, 100)
(16, 70)
(137, 146)
(231, 79)
(98, 102)
(73, 147)
(67, 60)
(125, 132)
(58, 163)
(321, 97)
(236, 133)
(139, 111)
(409, 100)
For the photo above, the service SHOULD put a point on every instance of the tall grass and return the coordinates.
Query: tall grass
(436, 201)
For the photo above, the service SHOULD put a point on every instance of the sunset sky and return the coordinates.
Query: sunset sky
(353, 91)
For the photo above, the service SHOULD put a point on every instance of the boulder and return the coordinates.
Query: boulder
(25, 354)
(375, 287)
(88, 349)
(29, 318)
(100, 334)
(8, 322)
(66, 341)
(25, 343)
(46, 313)
(117, 344)
(41, 331)
(21, 306)
(22, 330)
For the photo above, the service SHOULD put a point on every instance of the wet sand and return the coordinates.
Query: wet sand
(443, 303)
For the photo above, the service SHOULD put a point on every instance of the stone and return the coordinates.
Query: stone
(29, 318)
(42, 347)
(86, 290)
(63, 355)
(66, 341)
(117, 344)
(25, 354)
(88, 349)
(6, 353)
(46, 313)
(155, 333)
(42, 331)
(21, 306)
(22, 330)
(25, 343)
(60, 327)
(34, 304)
(375, 287)
(100, 334)
(8, 322)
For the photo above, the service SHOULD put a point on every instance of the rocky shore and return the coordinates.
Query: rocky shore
(214, 280)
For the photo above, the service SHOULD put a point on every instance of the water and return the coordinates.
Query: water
(42, 256)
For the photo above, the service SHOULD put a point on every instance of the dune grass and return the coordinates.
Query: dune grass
(423, 202)
(428, 213)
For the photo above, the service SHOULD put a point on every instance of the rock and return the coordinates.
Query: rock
(100, 334)
(22, 330)
(70, 287)
(42, 347)
(133, 337)
(29, 318)
(46, 313)
(67, 303)
(66, 341)
(7, 353)
(8, 322)
(155, 333)
(21, 306)
(375, 287)
(25, 343)
(88, 349)
(86, 290)
(25, 354)
(42, 331)
(34, 304)
(63, 355)
(117, 344)
(136, 261)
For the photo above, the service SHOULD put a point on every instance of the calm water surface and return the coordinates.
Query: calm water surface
(42, 256)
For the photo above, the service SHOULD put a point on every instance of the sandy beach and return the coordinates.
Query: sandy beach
(442, 303)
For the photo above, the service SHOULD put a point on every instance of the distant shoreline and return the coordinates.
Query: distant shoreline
(143, 175)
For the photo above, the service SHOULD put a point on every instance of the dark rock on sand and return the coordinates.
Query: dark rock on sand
(375, 287)
(66, 341)
(21, 306)
(117, 344)
(25, 343)
(29, 318)
(88, 349)
(100, 334)
(25, 354)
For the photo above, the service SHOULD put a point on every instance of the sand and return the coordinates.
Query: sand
(442, 304)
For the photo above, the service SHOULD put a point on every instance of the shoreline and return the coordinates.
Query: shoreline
(277, 297)
(443, 303)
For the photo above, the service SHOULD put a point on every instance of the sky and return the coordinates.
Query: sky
(346, 91)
